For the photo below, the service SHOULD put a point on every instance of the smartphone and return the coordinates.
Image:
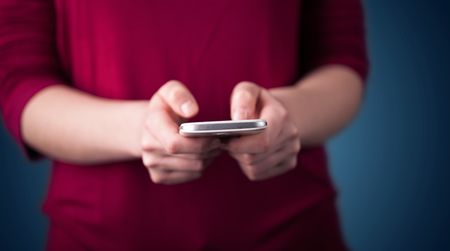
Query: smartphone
(222, 128)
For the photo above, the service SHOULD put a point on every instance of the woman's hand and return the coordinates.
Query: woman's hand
(170, 157)
(272, 152)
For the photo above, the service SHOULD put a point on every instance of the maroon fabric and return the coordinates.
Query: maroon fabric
(300, 233)
(127, 50)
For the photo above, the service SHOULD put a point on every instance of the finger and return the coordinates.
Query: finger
(280, 169)
(284, 166)
(284, 149)
(265, 161)
(244, 99)
(171, 178)
(275, 115)
(150, 145)
(178, 98)
(184, 162)
(252, 158)
(171, 163)
(165, 131)
(255, 167)
(201, 156)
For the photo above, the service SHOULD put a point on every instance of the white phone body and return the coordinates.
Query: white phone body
(222, 128)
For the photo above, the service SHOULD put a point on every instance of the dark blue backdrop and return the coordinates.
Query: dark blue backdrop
(391, 166)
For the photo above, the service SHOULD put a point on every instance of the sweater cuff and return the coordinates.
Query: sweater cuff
(14, 107)
(361, 67)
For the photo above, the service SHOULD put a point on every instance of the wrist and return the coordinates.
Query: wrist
(298, 103)
(134, 113)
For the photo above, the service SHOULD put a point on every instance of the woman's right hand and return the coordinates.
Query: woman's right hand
(169, 157)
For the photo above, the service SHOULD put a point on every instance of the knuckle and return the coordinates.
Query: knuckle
(247, 159)
(159, 178)
(145, 161)
(252, 172)
(146, 143)
(283, 113)
(149, 161)
(172, 146)
(253, 177)
(297, 146)
(198, 165)
(292, 163)
(295, 132)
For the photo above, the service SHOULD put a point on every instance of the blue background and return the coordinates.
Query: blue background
(391, 165)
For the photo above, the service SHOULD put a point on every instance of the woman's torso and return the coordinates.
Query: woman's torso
(126, 50)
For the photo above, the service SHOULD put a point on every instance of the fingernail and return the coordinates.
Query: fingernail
(187, 108)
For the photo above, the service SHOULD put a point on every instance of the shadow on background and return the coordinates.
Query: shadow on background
(391, 166)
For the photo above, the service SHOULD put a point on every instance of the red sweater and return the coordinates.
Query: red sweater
(126, 50)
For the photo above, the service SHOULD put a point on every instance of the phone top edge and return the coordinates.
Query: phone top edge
(220, 132)
(195, 126)
(259, 121)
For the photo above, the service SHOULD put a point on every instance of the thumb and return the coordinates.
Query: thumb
(244, 100)
(178, 98)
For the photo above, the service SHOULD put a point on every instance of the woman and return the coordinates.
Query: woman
(101, 86)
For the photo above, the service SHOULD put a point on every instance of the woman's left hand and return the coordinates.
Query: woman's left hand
(272, 152)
